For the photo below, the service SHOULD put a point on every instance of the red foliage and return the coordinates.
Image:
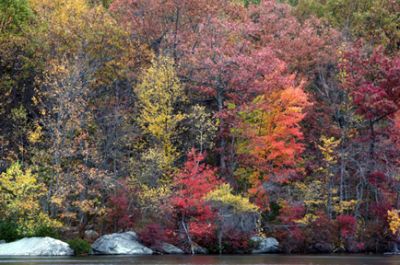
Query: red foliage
(203, 231)
(152, 235)
(290, 213)
(379, 210)
(373, 80)
(347, 225)
(302, 45)
(292, 238)
(259, 195)
(376, 178)
(235, 240)
(323, 229)
(119, 213)
(192, 183)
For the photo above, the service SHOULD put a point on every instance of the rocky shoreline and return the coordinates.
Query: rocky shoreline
(126, 243)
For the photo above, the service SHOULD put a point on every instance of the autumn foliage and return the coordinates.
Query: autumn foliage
(202, 122)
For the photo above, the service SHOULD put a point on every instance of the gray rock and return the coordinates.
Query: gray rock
(91, 235)
(265, 245)
(170, 249)
(120, 244)
(2, 242)
(36, 246)
(198, 249)
(323, 247)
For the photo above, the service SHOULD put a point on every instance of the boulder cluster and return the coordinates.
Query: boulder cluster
(126, 243)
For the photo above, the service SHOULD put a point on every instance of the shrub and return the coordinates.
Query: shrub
(80, 246)
(347, 225)
(9, 231)
(45, 230)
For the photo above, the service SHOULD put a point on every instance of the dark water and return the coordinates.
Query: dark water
(208, 260)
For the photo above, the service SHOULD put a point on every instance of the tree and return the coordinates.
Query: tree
(394, 221)
(18, 67)
(372, 20)
(271, 137)
(159, 94)
(294, 41)
(76, 165)
(202, 128)
(194, 181)
(20, 195)
(14, 15)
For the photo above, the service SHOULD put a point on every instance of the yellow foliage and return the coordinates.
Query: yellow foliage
(345, 206)
(20, 194)
(328, 149)
(35, 135)
(394, 221)
(307, 219)
(159, 92)
(19, 189)
(223, 194)
(152, 196)
(313, 194)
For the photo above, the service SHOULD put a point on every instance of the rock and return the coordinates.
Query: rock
(2, 242)
(265, 245)
(170, 249)
(91, 235)
(120, 244)
(198, 249)
(322, 247)
(36, 246)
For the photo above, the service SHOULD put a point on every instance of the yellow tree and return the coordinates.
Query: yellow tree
(394, 221)
(327, 149)
(20, 194)
(159, 93)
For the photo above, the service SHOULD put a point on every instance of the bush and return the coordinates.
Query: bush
(80, 246)
(9, 231)
(45, 230)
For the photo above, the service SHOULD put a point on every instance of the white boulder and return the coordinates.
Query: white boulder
(265, 245)
(120, 244)
(36, 246)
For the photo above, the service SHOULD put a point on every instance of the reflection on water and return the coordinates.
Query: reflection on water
(208, 260)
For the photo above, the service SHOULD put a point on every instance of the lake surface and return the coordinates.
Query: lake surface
(208, 260)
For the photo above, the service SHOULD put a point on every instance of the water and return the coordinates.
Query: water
(207, 260)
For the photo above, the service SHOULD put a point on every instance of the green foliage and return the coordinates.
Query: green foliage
(375, 20)
(79, 246)
(50, 229)
(105, 3)
(19, 114)
(223, 194)
(9, 231)
(14, 14)
(249, 2)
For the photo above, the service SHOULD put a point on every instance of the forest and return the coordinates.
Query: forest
(202, 122)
